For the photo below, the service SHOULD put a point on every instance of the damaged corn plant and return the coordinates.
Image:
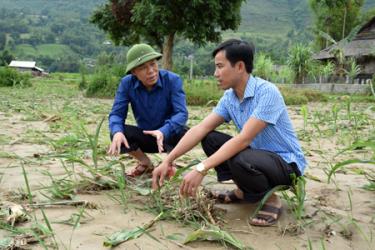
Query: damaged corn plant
(193, 211)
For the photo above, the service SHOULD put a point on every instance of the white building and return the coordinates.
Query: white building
(27, 66)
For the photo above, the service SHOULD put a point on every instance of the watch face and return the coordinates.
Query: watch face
(200, 167)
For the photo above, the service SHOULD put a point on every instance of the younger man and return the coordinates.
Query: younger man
(264, 154)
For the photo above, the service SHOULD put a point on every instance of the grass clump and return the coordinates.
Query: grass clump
(103, 84)
(293, 96)
(12, 78)
(202, 92)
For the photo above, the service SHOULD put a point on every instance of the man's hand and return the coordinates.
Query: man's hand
(159, 138)
(117, 140)
(191, 183)
(159, 173)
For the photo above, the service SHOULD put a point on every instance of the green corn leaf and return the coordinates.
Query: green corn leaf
(214, 234)
(125, 235)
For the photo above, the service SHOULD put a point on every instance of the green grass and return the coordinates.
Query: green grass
(48, 50)
(53, 50)
(25, 49)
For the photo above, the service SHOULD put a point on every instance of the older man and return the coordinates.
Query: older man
(159, 107)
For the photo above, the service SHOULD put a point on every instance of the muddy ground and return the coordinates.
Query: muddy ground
(41, 125)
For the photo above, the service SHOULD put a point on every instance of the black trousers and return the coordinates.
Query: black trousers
(147, 143)
(254, 171)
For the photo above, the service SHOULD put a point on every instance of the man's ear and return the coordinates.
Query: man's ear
(241, 66)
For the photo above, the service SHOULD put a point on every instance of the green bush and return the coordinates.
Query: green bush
(293, 96)
(202, 92)
(12, 78)
(102, 84)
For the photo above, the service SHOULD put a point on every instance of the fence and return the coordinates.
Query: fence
(336, 87)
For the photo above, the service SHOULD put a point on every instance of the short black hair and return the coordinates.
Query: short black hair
(237, 50)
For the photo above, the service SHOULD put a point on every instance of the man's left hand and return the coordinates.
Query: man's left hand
(191, 183)
(159, 138)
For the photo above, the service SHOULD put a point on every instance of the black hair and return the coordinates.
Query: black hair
(237, 50)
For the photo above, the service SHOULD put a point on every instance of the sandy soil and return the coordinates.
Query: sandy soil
(327, 205)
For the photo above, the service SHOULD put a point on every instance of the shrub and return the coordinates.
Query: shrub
(202, 92)
(293, 96)
(10, 77)
(103, 84)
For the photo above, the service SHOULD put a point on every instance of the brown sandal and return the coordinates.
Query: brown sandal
(225, 197)
(270, 215)
(139, 170)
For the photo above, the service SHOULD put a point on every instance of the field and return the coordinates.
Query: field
(53, 162)
(52, 50)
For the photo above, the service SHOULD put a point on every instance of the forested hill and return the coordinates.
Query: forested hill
(279, 16)
(56, 31)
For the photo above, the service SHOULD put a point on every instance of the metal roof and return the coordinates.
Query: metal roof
(363, 44)
(22, 64)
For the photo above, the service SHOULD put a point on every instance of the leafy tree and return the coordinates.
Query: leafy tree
(159, 21)
(335, 17)
(3, 40)
(299, 61)
(5, 58)
(263, 66)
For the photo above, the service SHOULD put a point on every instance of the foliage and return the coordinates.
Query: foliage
(202, 92)
(5, 58)
(263, 66)
(336, 18)
(124, 235)
(102, 84)
(213, 233)
(10, 77)
(327, 70)
(129, 22)
(47, 34)
(83, 83)
(353, 69)
(293, 96)
(299, 61)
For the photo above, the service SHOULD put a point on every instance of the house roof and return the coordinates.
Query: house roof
(363, 44)
(25, 65)
(22, 64)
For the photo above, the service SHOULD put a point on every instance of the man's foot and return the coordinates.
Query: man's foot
(234, 196)
(139, 170)
(269, 213)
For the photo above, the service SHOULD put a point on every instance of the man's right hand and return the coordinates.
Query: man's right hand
(117, 140)
(159, 173)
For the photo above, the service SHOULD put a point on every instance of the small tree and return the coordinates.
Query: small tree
(327, 70)
(353, 70)
(159, 22)
(335, 17)
(263, 66)
(299, 61)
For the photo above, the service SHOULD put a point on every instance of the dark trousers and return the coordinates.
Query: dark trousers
(254, 171)
(147, 143)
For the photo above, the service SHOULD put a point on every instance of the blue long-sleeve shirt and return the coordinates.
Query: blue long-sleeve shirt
(162, 108)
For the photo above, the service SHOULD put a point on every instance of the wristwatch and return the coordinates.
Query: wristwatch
(201, 168)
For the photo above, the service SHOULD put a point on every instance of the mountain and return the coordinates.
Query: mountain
(53, 30)
(278, 17)
(274, 16)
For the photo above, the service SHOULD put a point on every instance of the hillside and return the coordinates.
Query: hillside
(278, 17)
(52, 31)
(274, 16)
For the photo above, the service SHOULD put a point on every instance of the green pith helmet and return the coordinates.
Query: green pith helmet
(139, 54)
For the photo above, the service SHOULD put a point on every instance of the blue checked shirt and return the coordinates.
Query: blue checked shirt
(262, 100)
(163, 108)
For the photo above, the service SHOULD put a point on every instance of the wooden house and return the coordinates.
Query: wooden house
(361, 47)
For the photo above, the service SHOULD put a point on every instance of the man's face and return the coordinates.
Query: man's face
(147, 73)
(226, 74)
